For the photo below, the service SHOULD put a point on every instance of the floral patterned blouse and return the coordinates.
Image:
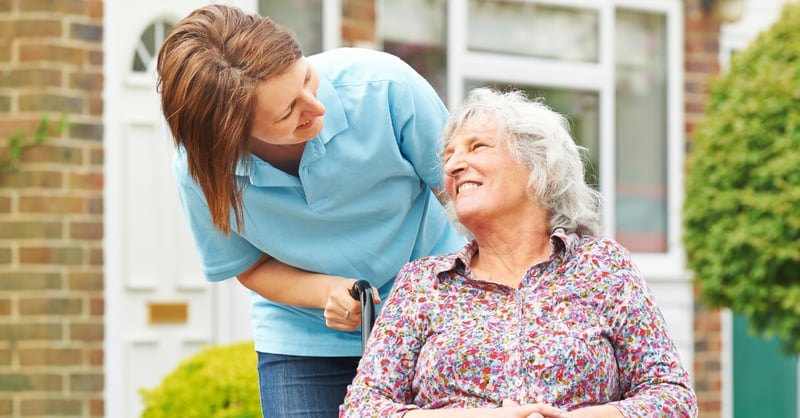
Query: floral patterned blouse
(582, 329)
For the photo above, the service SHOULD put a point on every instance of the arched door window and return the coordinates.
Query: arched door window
(149, 42)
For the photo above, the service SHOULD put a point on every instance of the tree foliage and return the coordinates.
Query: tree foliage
(742, 204)
(218, 382)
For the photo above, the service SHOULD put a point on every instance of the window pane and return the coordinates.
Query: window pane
(581, 108)
(641, 122)
(149, 42)
(415, 31)
(523, 28)
(302, 16)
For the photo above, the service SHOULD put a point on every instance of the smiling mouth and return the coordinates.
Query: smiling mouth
(467, 186)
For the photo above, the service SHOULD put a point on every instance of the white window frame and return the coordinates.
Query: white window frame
(597, 77)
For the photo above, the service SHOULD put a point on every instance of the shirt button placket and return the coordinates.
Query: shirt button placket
(514, 368)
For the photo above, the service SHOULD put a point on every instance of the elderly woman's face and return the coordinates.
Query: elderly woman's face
(482, 179)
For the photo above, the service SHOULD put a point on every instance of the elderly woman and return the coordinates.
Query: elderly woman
(537, 316)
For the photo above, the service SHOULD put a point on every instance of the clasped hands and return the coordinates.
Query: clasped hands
(512, 409)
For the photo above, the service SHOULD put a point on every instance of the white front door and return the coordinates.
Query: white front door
(159, 308)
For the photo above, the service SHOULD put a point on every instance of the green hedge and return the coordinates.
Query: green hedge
(218, 382)
(742, 203)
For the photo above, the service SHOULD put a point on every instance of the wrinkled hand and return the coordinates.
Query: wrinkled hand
(342, 312)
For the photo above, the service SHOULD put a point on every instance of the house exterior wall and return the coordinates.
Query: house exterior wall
(51, 213)
(701, 54)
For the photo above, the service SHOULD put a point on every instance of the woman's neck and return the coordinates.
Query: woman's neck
(506, 258)
(283, 157)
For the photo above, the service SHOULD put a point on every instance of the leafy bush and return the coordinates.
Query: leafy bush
(742, 206)
(218, 382)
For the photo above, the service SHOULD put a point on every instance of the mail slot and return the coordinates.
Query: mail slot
(168, 313)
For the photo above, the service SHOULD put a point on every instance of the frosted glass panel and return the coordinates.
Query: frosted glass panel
(304, 17)
(641, 109)
(523, 28)
(415, 31)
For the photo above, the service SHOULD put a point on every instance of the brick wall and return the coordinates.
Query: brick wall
(51, 210)
(701, 49)
(358, 23)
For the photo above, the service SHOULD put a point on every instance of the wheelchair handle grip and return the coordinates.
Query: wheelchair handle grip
(362, 291)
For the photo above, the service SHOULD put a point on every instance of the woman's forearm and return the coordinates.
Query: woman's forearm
(281, 283)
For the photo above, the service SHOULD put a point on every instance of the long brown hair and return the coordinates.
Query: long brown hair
(208, 69)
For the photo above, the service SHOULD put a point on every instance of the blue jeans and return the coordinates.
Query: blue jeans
(308, 387)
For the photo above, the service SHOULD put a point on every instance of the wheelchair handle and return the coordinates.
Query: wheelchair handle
(362, 291)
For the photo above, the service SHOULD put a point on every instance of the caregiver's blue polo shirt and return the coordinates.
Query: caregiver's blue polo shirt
(361, 207)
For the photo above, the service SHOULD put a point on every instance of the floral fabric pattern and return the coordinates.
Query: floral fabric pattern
(582, 329)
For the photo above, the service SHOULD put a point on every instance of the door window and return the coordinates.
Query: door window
(149, 42)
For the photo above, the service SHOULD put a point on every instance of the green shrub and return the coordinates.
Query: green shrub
(742, 205)
(218, 382)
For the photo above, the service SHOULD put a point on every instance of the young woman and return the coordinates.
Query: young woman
(299, 175)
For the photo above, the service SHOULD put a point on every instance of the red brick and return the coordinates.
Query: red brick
(6, 405)
(96, 407)
(96, 356)
(97, 307)
(5, 310)
(89, 382)
(86, 230)
(26, 77)
(30, 281)
(48, 52)
(49, 152)
(96, 256)
(45, 102)
(33, 407)
(52, 204)
(30, 331)
(94, 8)
(86, 131)
(31, 179)
(86, 332)
(86, 80)
(86, 181)
(33, 357)
(85, 281)
(30, 229)
(36, 28)
(87, 32)
(62, 256)
(53, 306)
(74, 7)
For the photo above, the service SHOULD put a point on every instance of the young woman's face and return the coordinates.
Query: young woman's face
(483, 180)
(287, 111)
